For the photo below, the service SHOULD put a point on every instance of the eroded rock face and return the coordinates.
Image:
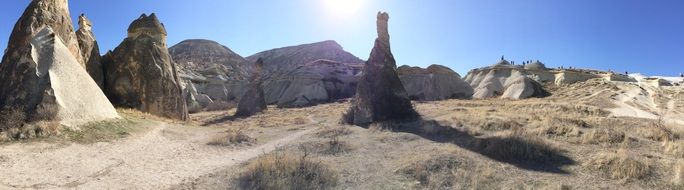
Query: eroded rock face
(434, 83)
(316, 82)
(253, 101)
(49, 83)
(41, 13)
(508, 81)
(380, 95)
(140, 73)
(90, 50)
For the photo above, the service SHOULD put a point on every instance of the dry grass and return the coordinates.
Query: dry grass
(674, 148)
(603, 136)
(335, 131)
(519, 148)
(678, 173)
(439, 172)
(619, 165)
(300, 121)
(233, 137)
(101, 131)
(286, 170)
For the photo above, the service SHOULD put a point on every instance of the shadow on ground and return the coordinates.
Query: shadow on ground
(521, 151)
(221, 119)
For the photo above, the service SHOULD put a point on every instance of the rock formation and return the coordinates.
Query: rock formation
(90, 50)
(434, 83)
(49, 83)
(140, 73)
(289, 58)
(253, 101)
(312, 83)
(52, 13)
(505, 81)
(200, 56)
(380, 95)
(42, 71)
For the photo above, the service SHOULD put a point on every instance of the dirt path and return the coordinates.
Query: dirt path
(157, 159)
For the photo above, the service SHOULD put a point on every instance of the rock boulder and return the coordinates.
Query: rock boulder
(434, 83)
(90, 50)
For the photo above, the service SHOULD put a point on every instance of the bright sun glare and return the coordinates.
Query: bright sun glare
(343, 8)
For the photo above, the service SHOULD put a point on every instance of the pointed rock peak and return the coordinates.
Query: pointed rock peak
(84, 23)
(149, 25)
(382, 22)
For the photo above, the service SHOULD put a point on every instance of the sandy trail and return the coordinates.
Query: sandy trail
(157, 159)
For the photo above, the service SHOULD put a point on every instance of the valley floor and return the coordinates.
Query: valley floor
(591, 135)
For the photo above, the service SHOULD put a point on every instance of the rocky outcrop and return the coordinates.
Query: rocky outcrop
(42, 74)
(317, 82)
(90, 50)
(40, 13)
(536, 66)
(50, 84)
(505, 81)
(200, 56)
(253, 101)
(140, 73)
(380, 95)
(288, 58)
(434, 83)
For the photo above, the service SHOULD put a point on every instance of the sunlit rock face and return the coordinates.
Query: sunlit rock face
(41, 73)
(140, 73)
(309, 74)
(41, 13)
(90, 50)
(49, 83)
(434, 83)
(380, 95)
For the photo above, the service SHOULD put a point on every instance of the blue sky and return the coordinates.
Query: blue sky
(623, 35)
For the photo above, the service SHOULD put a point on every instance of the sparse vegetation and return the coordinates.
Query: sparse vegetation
(439, 172)
(101, 131)
(519, 148)
(603, 136)
(286, 170)
(619, 165)
(233, 137)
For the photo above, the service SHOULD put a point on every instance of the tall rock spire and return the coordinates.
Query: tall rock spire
(380, 95)
(42, 73)
(90, 50)
(41, 13)
(140, 73)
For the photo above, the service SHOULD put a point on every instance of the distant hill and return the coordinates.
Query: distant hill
(288, 58)
(208, 57)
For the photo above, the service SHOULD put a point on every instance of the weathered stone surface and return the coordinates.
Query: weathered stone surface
(49, 83)
(434, 83)
(509, 81)
(253, 101)
(140, 73)
(288, 58)
(380, 95)
(90, 50)
(203, 56)
(41, 13)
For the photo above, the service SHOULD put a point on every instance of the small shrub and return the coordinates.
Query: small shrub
(45, 112)
(675, 148)
(600, 136)
(436, 173)
(496, 124)
(618, 165)
(334, 132)
(233, 137)
(14, 118)
(519, 148)
(300, 121)
(285, 170)
(678, 173)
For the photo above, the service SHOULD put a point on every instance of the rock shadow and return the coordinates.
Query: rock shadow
(518, 150)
